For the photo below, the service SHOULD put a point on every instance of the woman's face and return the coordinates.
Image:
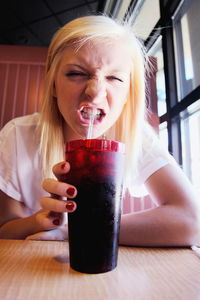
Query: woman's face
(97, 76)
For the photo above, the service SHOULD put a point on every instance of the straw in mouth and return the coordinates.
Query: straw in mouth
(92, 117)
(89, 112)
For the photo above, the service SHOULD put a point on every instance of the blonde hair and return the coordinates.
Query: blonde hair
(128, 127)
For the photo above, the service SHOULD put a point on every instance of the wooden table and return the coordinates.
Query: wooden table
(40, 270)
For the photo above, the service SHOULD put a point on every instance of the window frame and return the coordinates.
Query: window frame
(175, 105)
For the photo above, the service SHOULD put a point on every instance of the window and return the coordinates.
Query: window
(170, 31)
(190, 129)
(157, 53)
(143, 25)
(187, 47)
(163, 134)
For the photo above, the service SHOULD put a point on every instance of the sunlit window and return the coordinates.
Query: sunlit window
(157, 53)
(187, 48)
(163, 134)
(143, 25)
(190, 132)
(174, 50)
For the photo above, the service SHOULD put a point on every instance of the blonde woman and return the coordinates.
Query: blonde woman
(93, 62)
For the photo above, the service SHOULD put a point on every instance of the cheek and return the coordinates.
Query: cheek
(67, 95)
(119, 98)
(116, 108)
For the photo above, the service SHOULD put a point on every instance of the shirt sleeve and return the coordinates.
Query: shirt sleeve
(153, 156)
(137, 186)
(9, 183)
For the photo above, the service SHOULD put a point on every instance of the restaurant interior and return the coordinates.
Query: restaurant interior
(169, 30)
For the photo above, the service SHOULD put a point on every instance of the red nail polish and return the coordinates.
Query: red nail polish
(56, 222)
(71, 191)
(70, 206)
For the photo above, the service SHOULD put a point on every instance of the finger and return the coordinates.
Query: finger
(59, 206)
(59, 188)
(49, 220)
(60, 169)
(56, 218)
(45, 221)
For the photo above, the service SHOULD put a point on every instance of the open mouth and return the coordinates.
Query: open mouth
(90, 112)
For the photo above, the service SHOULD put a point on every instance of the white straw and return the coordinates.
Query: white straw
(90, 128)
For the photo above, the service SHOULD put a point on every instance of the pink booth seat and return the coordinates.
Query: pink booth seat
(133, 204)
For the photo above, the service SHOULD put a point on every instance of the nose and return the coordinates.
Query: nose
(95, 90)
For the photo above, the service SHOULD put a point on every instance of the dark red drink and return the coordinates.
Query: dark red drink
(97, 172)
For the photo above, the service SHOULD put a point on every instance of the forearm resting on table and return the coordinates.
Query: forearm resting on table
(176, 220)
(18, 228)
(159, 227)
(14, 223)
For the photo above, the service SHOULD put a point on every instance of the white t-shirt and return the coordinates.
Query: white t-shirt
(20, 171)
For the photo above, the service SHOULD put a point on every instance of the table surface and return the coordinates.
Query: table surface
(40, 270)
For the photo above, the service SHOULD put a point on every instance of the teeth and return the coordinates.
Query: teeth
(87, 113)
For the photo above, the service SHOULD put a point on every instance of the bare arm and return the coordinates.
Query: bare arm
(176, 220)
(13, 223)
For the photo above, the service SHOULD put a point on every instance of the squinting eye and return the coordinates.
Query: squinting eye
(114, 78)
(74, 74)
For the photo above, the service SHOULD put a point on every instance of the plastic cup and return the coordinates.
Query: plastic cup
(96, 169)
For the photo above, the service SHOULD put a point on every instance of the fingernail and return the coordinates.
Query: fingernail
(71, 191)
(56, 222)
(70, 205)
